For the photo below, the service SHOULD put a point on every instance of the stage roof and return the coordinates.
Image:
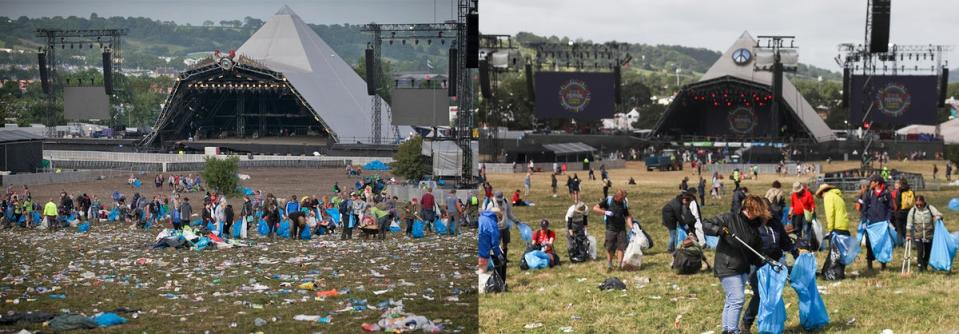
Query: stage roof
(327, 83)
(725, 67)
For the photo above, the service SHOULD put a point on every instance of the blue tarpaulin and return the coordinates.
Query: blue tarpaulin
(943, 248)
(772, 311)
(376, 165)
(812, 310)
(247, 191)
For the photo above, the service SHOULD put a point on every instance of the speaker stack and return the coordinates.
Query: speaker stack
(451, 81)
(879, 34)
(108, 72)
(485, 88)
(472, 40)
(370, 73)
(44, 76)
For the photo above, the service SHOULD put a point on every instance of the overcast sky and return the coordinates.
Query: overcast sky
(819, 25)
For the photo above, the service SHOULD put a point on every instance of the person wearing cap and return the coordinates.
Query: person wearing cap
(876, 209)
(802, 208)
(544, 238)
(618, 221)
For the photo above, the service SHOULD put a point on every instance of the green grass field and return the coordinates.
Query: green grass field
(566, 298)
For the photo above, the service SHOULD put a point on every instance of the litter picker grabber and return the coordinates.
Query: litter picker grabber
(776, 265)
(907, 260)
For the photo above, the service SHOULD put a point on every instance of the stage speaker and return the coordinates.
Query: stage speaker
(618, 93)
(530, 91)
(846, 86)
(370, 73)
(943, 87)
(485, 88)
(472, 40)
(44, 76)
(108, 72)
(451, 81)
(879, 34)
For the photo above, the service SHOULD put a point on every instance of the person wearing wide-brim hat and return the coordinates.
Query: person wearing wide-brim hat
(802, 207)
(834, 207)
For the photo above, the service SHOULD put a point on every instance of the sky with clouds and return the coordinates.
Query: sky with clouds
(819, 25)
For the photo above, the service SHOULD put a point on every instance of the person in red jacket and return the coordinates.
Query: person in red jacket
(802, 201)
(544, 238)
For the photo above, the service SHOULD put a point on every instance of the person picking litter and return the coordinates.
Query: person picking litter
(618, 221)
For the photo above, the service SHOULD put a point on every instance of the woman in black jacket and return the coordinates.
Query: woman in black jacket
(775, 243)
(733, 259)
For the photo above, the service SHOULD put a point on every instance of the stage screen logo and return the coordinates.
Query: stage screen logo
(742, 120)
(574, 95)
(893, 99)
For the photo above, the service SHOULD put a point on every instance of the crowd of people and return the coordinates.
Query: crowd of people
(366, 209)
(757, 229)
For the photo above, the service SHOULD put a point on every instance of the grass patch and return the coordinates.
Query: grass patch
(567, 296)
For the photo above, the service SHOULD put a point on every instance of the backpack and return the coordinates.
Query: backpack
(688, 260)
(907, 200)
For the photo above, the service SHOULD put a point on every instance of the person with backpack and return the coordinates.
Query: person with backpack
(775, 243)
(904, 201)
(733, 259)
(618, 220)
(921, 222)
(777, 199)
(576, 224)
(876, 209)
(672, 212)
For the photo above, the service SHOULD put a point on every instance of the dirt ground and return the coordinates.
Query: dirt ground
(227, 290)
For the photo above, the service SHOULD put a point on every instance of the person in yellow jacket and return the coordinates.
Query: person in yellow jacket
(50, 214)
(837, 219)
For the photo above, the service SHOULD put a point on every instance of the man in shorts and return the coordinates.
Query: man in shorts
(618, 221)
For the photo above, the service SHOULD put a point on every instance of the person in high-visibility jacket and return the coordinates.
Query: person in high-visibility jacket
(50, 213)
